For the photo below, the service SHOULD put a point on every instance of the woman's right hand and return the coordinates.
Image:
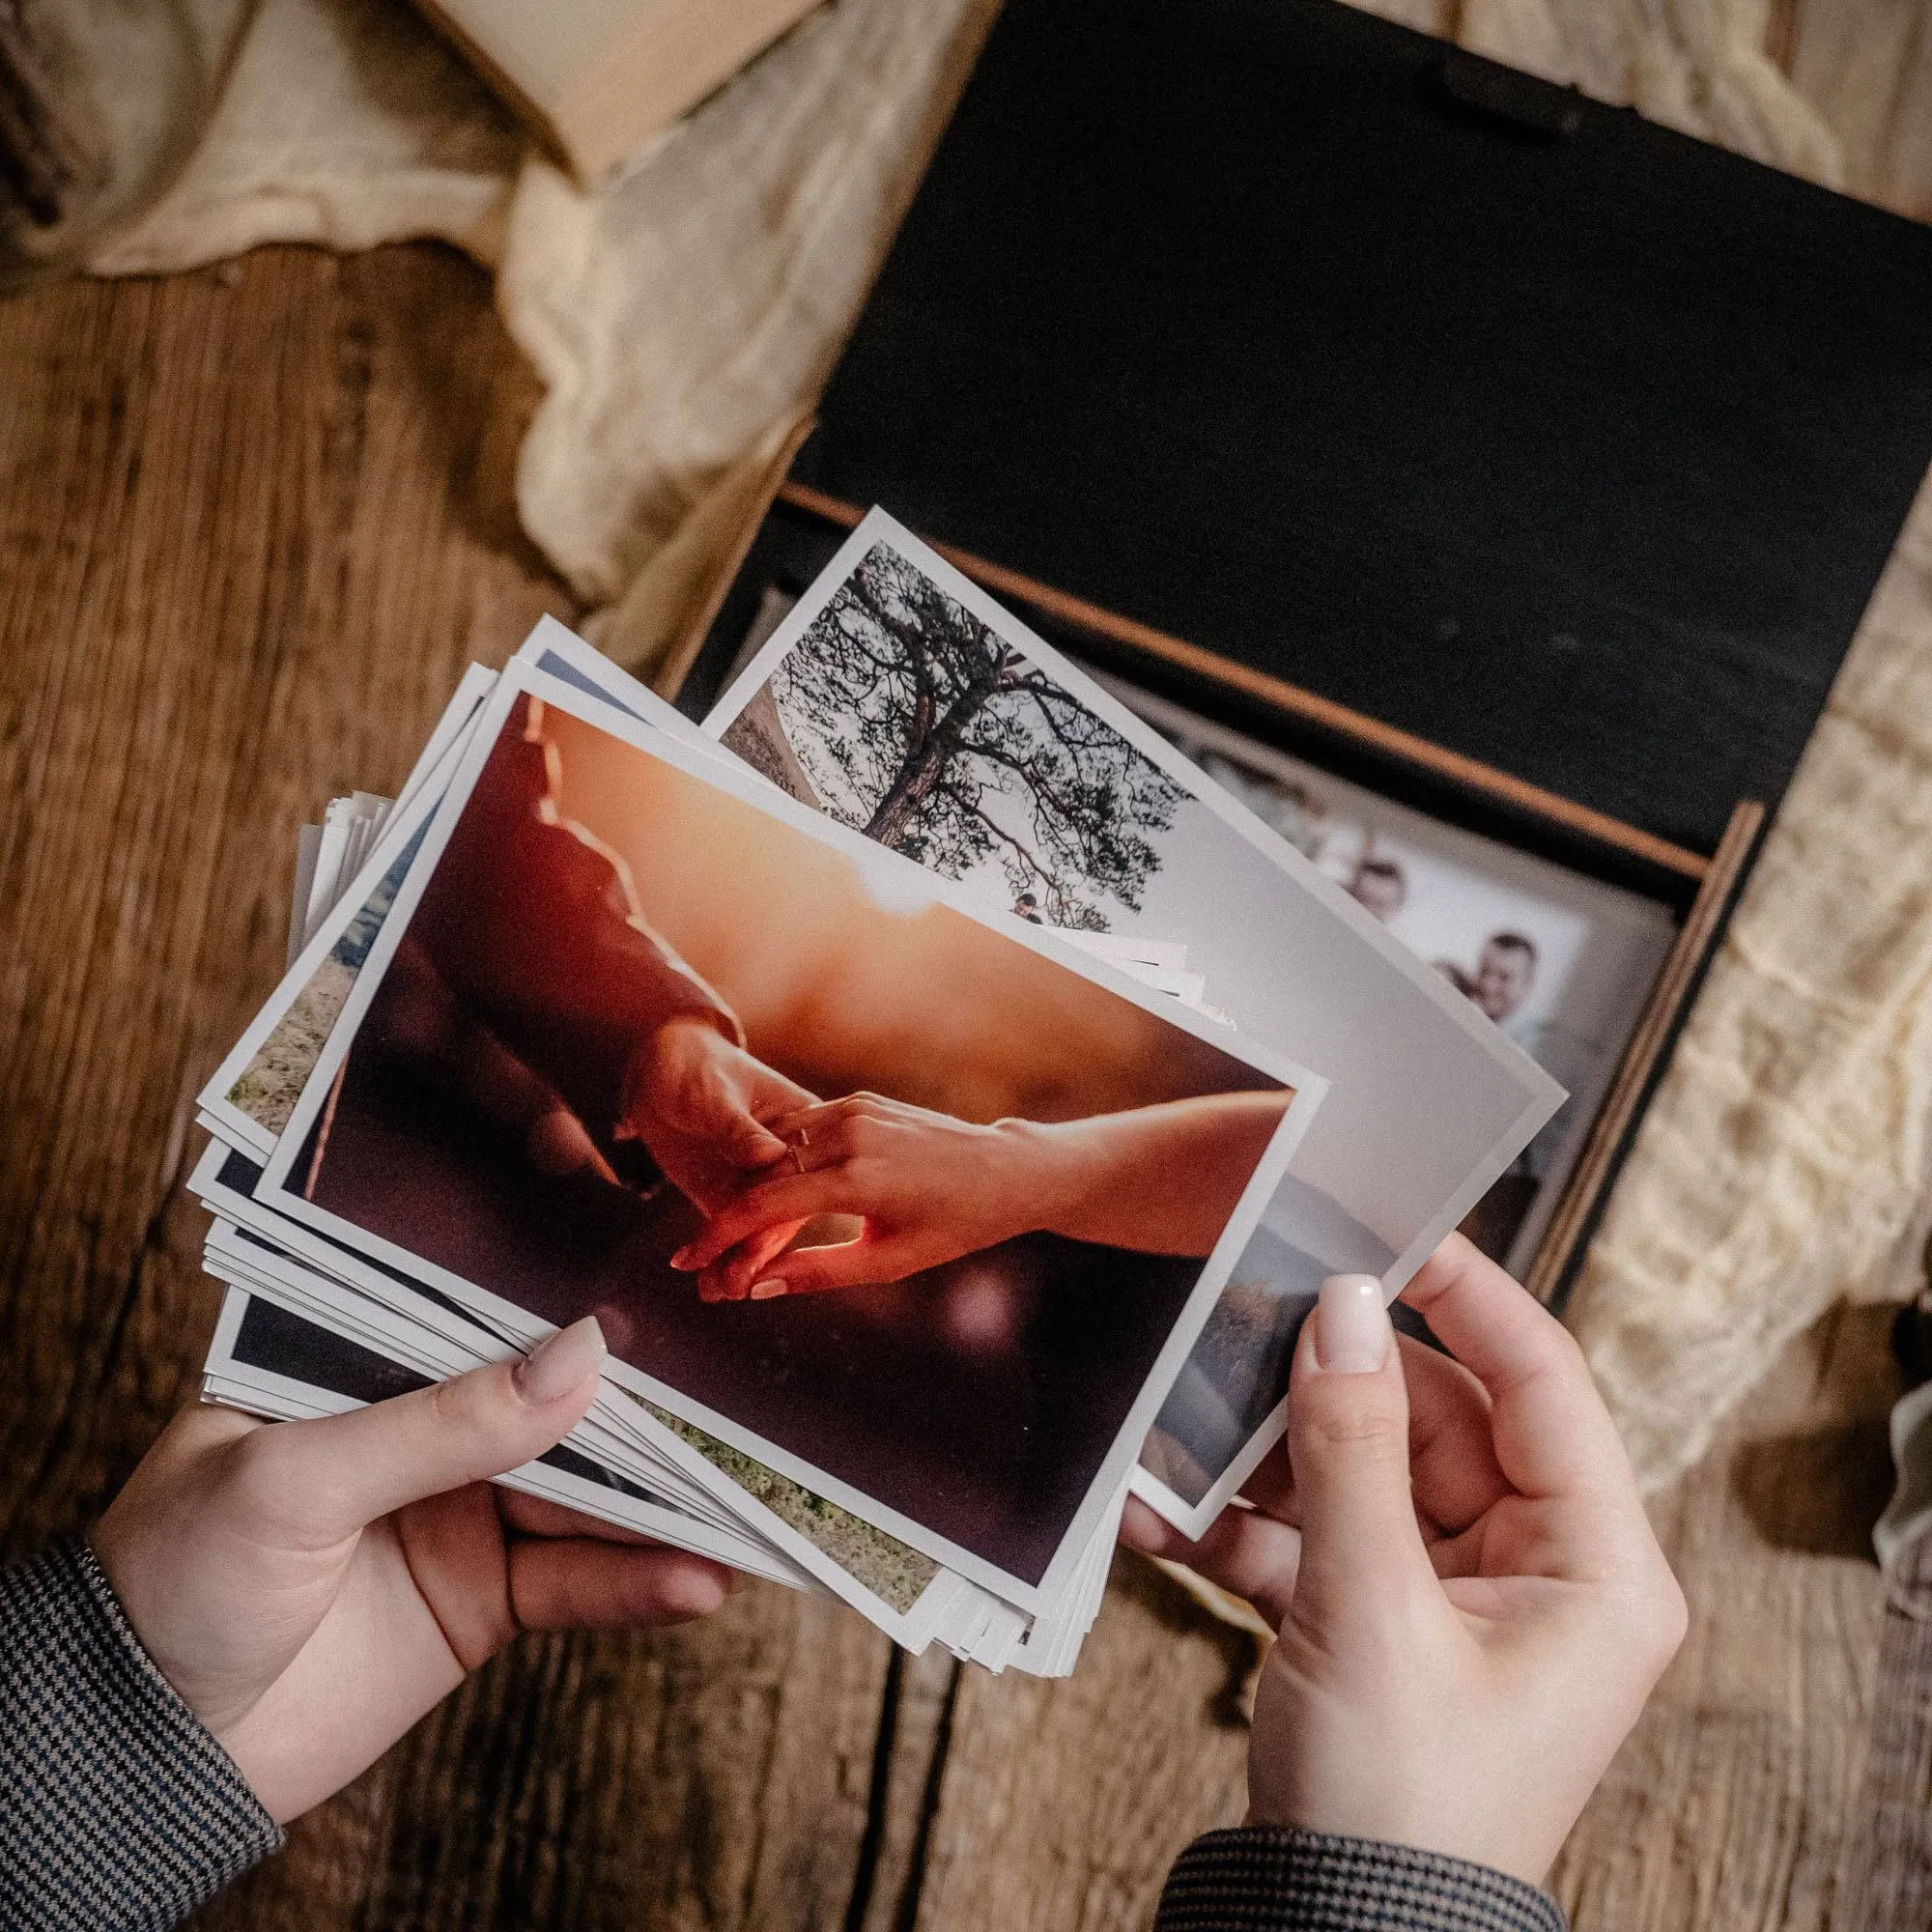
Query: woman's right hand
(1472, 1607)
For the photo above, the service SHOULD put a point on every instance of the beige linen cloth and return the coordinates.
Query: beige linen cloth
(683, 316)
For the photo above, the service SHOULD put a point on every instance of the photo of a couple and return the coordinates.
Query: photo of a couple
(904, 1196)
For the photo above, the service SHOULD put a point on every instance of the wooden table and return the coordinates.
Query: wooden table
(252, 523)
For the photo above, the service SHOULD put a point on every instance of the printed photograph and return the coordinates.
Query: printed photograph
(1560, 963)
(901, 701)
(902, 1200)
(905, 717)
(268, 1087)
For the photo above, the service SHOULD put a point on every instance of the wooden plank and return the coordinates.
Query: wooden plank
(1063, 1805)
(1730, 1805)
(1884, 1867)
(712, 1776)
(914, 1743)
(252, 522)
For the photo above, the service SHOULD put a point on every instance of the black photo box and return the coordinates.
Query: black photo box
(1525, 461)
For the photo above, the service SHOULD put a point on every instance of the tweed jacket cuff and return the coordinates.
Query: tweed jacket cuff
(1265, 1878)
(122, 1812)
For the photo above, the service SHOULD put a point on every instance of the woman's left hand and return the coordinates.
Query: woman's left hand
(927, 1187)
(312, 1588)
(1471, 1603)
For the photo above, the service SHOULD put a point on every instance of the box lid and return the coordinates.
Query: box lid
(1508, 418)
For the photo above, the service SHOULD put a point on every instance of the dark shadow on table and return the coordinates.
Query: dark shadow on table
(1819, 1490)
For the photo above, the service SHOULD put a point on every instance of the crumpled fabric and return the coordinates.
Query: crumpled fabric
(1699, 65)
(767, 215)
(680, 316)
(1783, 1160)
(683, 315)
(344, 122)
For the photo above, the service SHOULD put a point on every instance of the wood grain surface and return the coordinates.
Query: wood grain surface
(1739, 1800)
(251, 524)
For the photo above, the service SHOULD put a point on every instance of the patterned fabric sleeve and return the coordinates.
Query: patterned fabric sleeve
(118, 1811)
(1263, 1878)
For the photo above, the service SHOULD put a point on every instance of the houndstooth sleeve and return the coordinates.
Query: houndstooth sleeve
(118, 1811)
(1265, 1878)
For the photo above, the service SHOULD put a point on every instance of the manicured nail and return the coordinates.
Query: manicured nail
(1351, 1325)
(565, 1362)
(767, 1290)
(682, 1259)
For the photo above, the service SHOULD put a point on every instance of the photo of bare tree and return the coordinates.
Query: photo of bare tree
(905, 717)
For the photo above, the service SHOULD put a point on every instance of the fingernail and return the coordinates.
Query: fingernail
(682, 1259)
(1351, 1325)
(767, 1290)
(566, 1361)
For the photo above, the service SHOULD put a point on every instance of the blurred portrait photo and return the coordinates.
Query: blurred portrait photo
(1559, 963)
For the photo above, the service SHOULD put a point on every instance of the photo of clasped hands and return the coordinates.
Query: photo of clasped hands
(764, 1160)
(534, 990)
(926, 1188)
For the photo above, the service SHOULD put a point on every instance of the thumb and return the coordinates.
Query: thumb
(332, 1475)
(1348, 1444)
(754, 1144)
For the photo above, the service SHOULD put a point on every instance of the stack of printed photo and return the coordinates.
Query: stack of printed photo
(947, 1097)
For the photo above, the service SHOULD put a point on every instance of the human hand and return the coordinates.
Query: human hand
(700, 1105)
(312, 1588)
(1471, 1605)
(928, 1188)
(419, 1021)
